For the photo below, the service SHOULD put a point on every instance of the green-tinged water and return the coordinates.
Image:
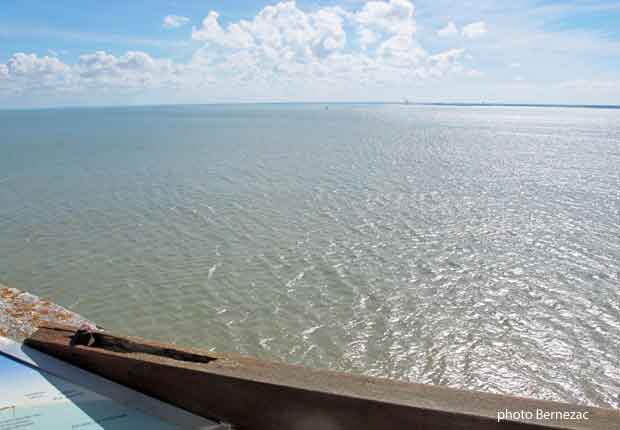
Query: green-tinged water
(476, 247)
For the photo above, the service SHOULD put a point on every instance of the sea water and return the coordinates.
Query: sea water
(474, 247)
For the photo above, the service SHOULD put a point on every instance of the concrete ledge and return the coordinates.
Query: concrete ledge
(22, 313)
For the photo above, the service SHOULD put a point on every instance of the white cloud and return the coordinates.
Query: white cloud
(99, 70)
(282, 45)
(175, 21)
(392, 23)
(134, 69)
(366, 49)
(448, 31)
(401, 50)
(4, 71)
(29, 72)
(367, 37)
(30, 64)
(329, 23)
(282, 30)
(474, 30)
(447, 61)
(211, 31)
(394, 16)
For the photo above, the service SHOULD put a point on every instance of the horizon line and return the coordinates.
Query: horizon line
(405, 102)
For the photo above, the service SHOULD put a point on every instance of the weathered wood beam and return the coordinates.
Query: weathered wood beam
(256, 394)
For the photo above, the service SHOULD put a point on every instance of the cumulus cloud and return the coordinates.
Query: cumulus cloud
(367, 38)
(233, 37)
(282, 30)
(21, 65)
(474, 30)
(394, 16)
(175, 21)
(99, 70)
(393, 24)
(281, 44)
(23, 72)
(401, 50)
(4, 71)
(444, 62)
(448, 31)
(133, 70)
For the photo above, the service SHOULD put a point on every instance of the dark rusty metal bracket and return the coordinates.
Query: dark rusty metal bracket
(260, 395)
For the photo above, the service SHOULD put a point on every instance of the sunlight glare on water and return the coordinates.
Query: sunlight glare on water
(475, 247)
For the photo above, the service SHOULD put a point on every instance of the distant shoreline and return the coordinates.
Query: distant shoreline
(550, 105)
(437, 104)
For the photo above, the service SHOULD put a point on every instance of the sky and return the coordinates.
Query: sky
(99, 53)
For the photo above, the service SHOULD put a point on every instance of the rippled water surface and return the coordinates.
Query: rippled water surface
(472, 247)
